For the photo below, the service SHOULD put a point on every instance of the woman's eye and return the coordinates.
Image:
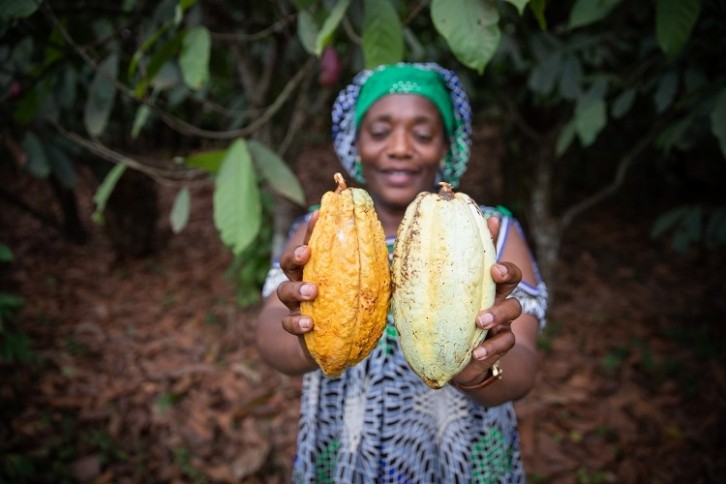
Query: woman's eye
(379, 133)
(423, 137)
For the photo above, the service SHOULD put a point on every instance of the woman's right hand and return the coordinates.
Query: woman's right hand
(292, 292)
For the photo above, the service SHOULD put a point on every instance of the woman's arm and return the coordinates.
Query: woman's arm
(512, 336)
(280, 326)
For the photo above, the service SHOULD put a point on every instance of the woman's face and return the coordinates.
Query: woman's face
(401, 143)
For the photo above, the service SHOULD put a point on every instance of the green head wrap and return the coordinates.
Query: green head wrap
(406, 79)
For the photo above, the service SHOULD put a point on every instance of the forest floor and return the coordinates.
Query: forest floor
(145, 370)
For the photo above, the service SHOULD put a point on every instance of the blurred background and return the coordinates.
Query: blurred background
(153, 155)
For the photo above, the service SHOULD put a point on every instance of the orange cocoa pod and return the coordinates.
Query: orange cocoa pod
(349, 264)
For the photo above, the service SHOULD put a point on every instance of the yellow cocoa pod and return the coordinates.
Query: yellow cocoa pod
(441, 279)
(349, 263)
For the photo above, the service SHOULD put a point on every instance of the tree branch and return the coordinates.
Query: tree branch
(161, 175)
(625, 162)
(175, 123)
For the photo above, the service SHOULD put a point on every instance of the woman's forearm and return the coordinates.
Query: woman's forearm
(280, 349)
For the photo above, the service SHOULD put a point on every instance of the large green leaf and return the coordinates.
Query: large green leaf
(718, 120)
(237, 206)
(585, 12)
(330, 25)
(101, 95)
(104, 191)
(38, 164)
(179, 215)
(276, 172)
(382, 34)
(13, 9)
(307, 30)
(674, 20)
(194, 57)
(471, 29)
(590, 119)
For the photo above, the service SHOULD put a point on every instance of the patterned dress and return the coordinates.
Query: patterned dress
(379, 422)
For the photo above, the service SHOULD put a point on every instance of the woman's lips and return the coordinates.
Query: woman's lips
(398, 177)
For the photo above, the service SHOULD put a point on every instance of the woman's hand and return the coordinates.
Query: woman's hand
(497, 320)
(292, 292)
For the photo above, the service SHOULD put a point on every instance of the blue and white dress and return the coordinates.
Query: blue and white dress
(379, 422)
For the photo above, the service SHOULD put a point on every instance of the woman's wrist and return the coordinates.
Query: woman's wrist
(492, 375)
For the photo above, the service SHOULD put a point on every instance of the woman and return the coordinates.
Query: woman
(399, 130)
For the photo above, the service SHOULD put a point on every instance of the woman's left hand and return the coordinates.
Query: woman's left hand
(498, 321)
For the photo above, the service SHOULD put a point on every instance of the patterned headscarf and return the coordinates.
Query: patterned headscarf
(404, 78)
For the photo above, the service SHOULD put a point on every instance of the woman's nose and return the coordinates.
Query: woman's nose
(400, 143)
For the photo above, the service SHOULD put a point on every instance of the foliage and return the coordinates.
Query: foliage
(14, 345)
(227, 89)
(606, 84)
(145, 68)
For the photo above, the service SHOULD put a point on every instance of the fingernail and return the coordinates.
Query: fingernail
(486, 320)
(306, 290)
(480, 353)
(305, 323)
(299, 251)
(501, 269)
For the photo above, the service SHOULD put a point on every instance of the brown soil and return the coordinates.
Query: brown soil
(146, 370)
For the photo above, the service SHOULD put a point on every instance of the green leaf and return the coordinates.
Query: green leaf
(590, 119)
(565, 138)
(101, 95)
(38, 164)
(330, 25)
(471, 29)
(209, 161)
(13, 9)
(179, 216)
(519, 4)
(158, 61)
(666, 91)
(718, 120)
(543, 76)
(237, 207)
(307, 31)
(570, 78)
(9, 303)
(276, 172)
(669, 220)
(382, 34)
(194, 57)
(538, 10)
(6, 255)
(623, 103)
(100, 198)
(142, 115)
(62, 166)
(146, 45)
(674, 20)
(586, 12)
